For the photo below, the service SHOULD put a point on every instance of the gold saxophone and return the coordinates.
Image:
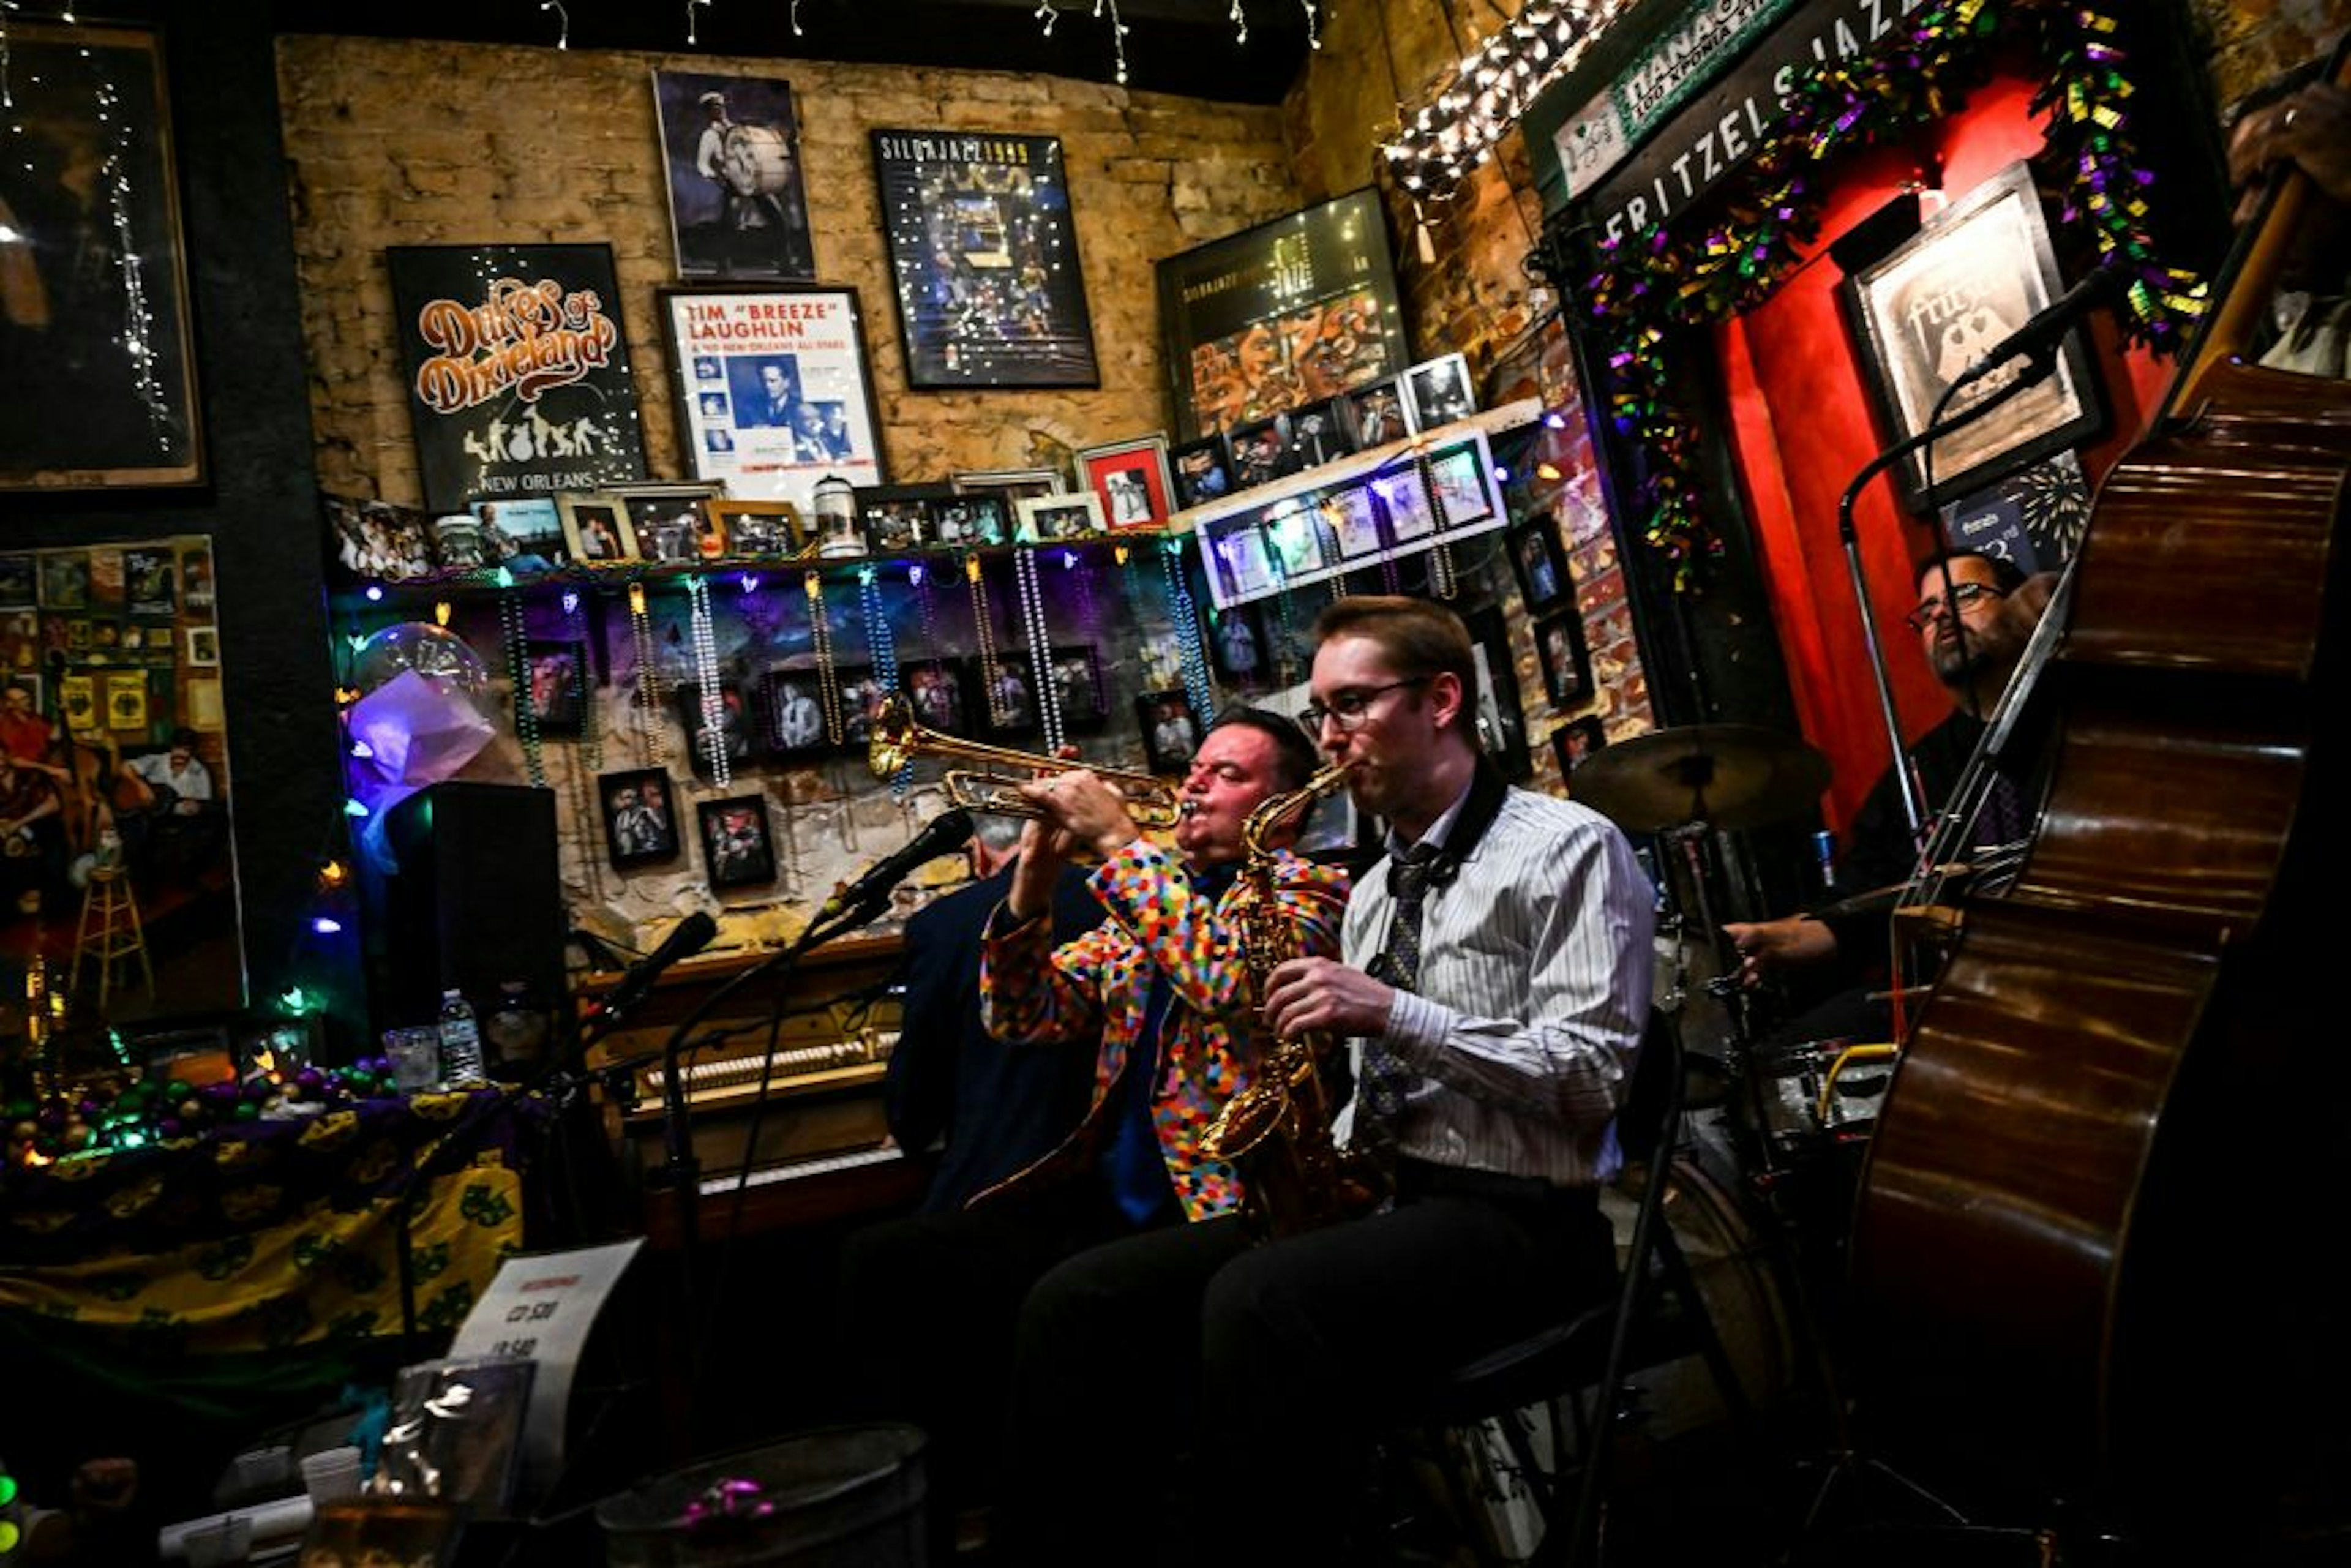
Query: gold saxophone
(1277, 1130)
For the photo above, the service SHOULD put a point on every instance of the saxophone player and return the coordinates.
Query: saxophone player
(1158, 997)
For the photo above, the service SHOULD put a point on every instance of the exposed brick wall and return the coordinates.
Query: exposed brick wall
(2248, 42)
(406, 142)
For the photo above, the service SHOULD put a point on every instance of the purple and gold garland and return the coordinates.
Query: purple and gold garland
(1650, 285)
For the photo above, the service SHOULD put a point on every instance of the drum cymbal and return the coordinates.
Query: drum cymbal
(1724, 775)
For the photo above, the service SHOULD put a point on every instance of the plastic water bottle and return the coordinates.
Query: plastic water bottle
(461, 1042)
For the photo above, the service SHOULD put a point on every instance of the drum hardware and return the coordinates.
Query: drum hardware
(1727, 775)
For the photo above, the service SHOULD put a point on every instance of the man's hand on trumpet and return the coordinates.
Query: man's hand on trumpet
(1075, 809)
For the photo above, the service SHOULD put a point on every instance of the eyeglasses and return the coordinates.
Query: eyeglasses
(1350, 708)
(1962, 594)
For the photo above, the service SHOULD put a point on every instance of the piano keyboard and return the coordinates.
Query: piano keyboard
(740, 1074)
(795, 1170)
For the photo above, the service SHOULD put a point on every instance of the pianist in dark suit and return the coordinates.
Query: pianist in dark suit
(997, 1108)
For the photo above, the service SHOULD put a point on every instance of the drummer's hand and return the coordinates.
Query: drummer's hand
(1321, 996)
(1793, 941)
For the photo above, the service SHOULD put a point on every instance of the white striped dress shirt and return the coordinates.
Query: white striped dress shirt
(1535, 968)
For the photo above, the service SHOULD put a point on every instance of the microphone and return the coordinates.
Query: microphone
(687, 938)
(2038, 340)
(942, 835)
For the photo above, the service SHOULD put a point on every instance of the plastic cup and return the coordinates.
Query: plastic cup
(331, 1474)
(416, 1057)
(264, 1469)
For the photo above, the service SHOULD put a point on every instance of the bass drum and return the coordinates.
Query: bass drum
(756, 159)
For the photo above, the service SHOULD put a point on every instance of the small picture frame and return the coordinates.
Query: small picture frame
(1440, 389)
(793, 702)
(1261, 452)
(1378, 414)
(734, 731)
(1076, 675)
(1237, 647)
(669, 519)
(1461, 494)
(596, 529)
(1404, 497)
(1203, 471)
(895, 518)
(1353, 519)
(1008, 704)
(1577, 739)
(204, 646)
(736, 846)
(1043, 520)
(1293, 533)
(1012, 484)
(560, 681)
(774, 530)
(941, 694)
(1244, 565)
(523, 533)
(1566, 666)
(971, 521)
(1171, 730)
(1318, 434)
(1132, 481)
(861, 696)
(640, 820)
(20, 582)
(1541, 569)
(457, 542)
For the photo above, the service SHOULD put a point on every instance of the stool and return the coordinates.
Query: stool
(110, 930)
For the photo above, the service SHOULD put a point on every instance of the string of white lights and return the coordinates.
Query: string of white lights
(562, 21)
(1465, 115)
(691, 7)
(1117, 35)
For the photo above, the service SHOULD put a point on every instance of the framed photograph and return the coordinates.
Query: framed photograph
(560, 681)
(940, 691)
(456, 1434)
(1377, 414)
(796, 392)
(793, 702)
(730, 151)
(895, 518)
(1171, 730)
(1243, 565)
(126, 694)
(1541, 569)
(86, 252)
(1353, 517)
(1282, 315)
(1009, 705)
(1318, 434)
(1928, 309)
(596, 529)
(1078, 687)
(20, 586)
(463, 311)
(1440, 389)
(732, 728)
(1237, 647)
(1012, 484)
(970, 519)
(1403, 497)
(1261, 452)
(1041, 519)
(1202, 470)
(1501, 722)
(1462, 496)
(736, 844)
(457, 542)
(377, 540)
(1131, 480)
(525, 535)
(758, 527)
(640, 822)
(204, 646)
(1577, 739)
(985, 253)
(1293, 534)
(150, 583)
(861, 696)
(670, 522)
(196, 575)
(1566, 666)
(65, 580)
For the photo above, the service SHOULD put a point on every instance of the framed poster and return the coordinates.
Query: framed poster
(518, 380)
(730, 153)
(1931, 307)
(560, 682)
(983, 253)
(736, 842)
(782, 373)
(1280, 316)
(1132, 480)
(640, 824)
(96, 353)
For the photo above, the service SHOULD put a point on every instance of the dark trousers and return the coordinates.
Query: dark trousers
(926, 1311)
(1277, 1365)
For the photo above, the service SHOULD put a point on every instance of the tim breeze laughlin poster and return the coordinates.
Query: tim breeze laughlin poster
(773, 393)
(518, 378)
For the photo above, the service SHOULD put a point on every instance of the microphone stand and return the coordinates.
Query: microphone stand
(2037, 367)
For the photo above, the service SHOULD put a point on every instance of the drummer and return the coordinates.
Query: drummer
(1975, 613)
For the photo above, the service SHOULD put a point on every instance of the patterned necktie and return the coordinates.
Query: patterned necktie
(1386, 1081)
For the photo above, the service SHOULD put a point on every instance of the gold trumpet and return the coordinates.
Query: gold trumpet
(899, 738)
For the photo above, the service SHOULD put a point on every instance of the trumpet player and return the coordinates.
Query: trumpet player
(1157, 996)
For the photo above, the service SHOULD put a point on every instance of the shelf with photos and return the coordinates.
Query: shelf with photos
(1422, 492)
(663, 531)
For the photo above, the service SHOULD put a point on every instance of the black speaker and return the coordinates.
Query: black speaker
(476, 900)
